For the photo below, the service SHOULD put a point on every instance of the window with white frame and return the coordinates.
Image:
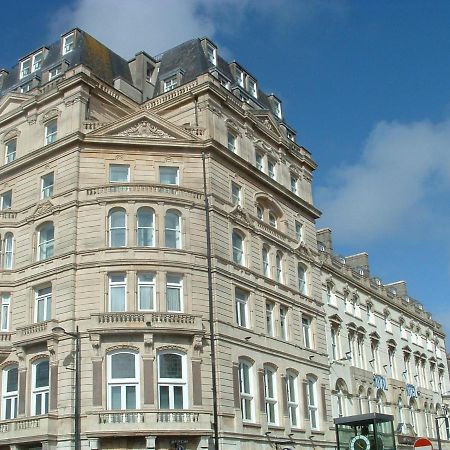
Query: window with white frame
(168, 175)
(146, 291)
(433, 376)
(117, 227)
(335, 348)
(43, 304)
(4, 312)
(387, 323)
(174, 293)
(172, 229)
(37, 60)
(279, 267)
(171, 83)
(10, 392)
(25, 88)
(306, 332)
(298, 231)
(238, 248)
(292, 398)
(240, 77)
(8, 251)
(231, 141)
(259, 161)
(145, 227)
(117, 292)
(47, 182)
(265, 261)
(55, 72)
(301, 275)
(283, 323)
(269, 318)
(270, 395)
(68, 43)
(391, 360)
(40, 387)
(123, 380)
(246, 390)
(51, 131)
(119, 173)
(172, 380)
(45, 241)
(403, 330)
(311, 391)
(6, 200)
(370, 314)
(241, 306)
(360, 350)
(235, 193)
(25, 68)
(211, 54)
(294, 182)
(277, 109)
(251, 87)
(271, 169)
(10, 151)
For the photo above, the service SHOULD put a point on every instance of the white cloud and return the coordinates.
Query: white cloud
(128, 26)
(402, 174)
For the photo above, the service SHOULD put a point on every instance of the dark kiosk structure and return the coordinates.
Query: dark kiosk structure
(373, 431)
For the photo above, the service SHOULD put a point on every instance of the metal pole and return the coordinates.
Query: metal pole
(77, 412)
(438, 435)
(211, 311)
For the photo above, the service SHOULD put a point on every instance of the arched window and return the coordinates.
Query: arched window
(292, 398)
(40, 387)
(301, 273)
(10, 392)
(265, 261)
(8, 250)
(246, 390)
(341, 397)
(172, 229)
(145, 227)
(270, 395)
(117, 221)
(311, 398)
(172, 380)
(279, 267)
(45, 241)
(272, 220)
(259, 212)
(238, 248)
(381, 400)
(123, 380)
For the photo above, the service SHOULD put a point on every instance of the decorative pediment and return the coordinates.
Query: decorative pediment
(52, 113)
(144, 124)
(12, 101)
(43, 208)
(10, 134)
(269, 122)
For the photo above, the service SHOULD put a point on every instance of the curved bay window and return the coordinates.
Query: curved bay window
(172, 229)
(40, 387)
(145, 221)
(117, 228)
(172, 380)
(123, 380)
(45, 241)
(10, 392)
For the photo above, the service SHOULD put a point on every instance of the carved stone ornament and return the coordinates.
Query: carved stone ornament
(50, 114)
(148, 342)
(198, 343)
(43, 208)
(269, 125)
(20, 353)
(10, 134)
(144, 128)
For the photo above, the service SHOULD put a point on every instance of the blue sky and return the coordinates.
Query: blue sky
(366, 84)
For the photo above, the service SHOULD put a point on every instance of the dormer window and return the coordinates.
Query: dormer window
(240, 77)
(211, 53)
(37, 61)
(25, 88)
(53, 73)
(277, 109)
(170, 84)
(291, 136)
(25, 68)
(68, 43)
(251, 87)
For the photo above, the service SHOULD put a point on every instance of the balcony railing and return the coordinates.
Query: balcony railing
(121, 417)
(119, 188)
(177, 417)
(148, 321)
(29, 428)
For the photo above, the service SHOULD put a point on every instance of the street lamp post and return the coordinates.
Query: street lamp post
(77, 406)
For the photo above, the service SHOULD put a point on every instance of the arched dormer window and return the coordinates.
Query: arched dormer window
(172, 229)
(45, 241)
(117, 227)
(145, 223)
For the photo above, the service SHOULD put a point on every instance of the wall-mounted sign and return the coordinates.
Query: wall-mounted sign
(411, 391)
(380, 382)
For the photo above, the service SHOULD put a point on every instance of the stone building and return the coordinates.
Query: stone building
(104, 233)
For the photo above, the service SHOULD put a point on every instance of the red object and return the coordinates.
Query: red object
(423, 444)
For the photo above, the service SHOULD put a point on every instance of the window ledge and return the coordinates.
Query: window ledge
(318, 432)
(251, 424)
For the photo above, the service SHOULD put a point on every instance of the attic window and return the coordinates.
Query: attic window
(211, 53)
(251, 87)
(291, 136)
(68, 43)
(25, 68)
(170, 84)
(240, 77)
(53, 73)
(149, 72)
(37, 60)
(277, 109)
(25, 88)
